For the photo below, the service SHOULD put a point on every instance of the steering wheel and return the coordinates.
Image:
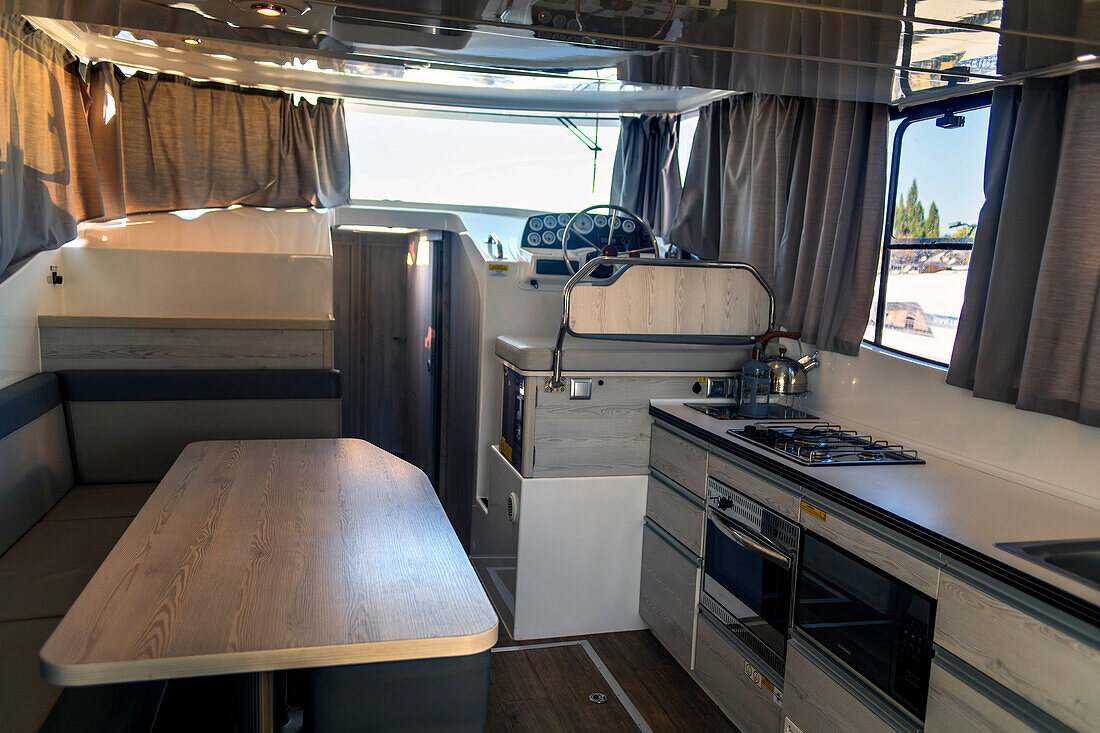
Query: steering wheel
(618, 218)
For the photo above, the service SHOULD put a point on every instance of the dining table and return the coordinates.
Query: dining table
(254, 556)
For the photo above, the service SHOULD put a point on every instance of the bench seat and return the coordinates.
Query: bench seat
(27, 697)
(101, 501)
(43, 573)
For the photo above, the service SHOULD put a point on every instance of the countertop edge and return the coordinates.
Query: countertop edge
(1021, 581)
(79, 674)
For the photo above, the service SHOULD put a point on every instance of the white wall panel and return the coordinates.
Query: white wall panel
(911, 402)
(23, 296)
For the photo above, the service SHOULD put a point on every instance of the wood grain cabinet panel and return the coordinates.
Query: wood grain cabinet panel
(679, 459)
(669, 593)
(883, 555)
(954, 705)
(817, 703)
(1056, 672)
(756, 487)
(721, 671)
(678, 515)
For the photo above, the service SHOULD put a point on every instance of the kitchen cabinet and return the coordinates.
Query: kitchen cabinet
(679, 459)
(678, 511)
(819, 696)
(958, 700)
(746, 696)
(1052, 669)
(669, 591)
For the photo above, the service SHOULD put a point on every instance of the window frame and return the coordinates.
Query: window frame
(908, 117)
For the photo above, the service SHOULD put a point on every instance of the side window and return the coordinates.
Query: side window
(937, 162)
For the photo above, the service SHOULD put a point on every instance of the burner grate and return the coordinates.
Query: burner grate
(825, 444)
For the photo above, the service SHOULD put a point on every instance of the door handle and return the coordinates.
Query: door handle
(727, 528)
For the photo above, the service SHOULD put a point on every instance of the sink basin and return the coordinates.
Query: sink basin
(1077, 559)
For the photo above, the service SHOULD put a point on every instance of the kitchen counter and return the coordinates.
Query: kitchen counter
(959, 511)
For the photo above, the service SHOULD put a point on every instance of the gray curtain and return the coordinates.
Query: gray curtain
(646, 177)
(178, 144)
(1029, 331)
(799, 196)
(771, 31)
(47, 166)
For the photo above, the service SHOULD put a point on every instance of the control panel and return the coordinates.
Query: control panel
(546, 231)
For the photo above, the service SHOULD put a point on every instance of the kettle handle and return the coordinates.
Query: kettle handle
(765, 338)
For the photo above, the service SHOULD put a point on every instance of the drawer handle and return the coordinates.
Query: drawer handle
(730, 530)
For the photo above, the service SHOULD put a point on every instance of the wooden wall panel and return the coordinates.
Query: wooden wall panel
(101, 342)
(667, 300)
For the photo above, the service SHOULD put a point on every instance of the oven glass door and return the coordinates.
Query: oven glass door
(876, 624)
(753, 584)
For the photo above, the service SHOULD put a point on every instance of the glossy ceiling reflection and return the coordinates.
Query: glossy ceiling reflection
(881, 50)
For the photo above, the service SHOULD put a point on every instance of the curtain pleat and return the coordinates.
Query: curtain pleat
(1029, 332)
(646, 176)
(47, 165)
(800, 196)
(74, 148)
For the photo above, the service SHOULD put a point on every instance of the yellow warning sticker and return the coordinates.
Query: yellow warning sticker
(813, 510)
(505, 449)
(497, 268)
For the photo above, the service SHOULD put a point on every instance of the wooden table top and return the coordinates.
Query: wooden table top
(275, 554)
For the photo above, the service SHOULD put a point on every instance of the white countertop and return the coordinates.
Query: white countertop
(960, 504)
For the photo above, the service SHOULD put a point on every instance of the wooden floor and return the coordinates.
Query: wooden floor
(544, 685)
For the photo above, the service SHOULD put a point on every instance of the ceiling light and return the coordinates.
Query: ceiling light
(1086, 57)
(192, 41)
(269, 10)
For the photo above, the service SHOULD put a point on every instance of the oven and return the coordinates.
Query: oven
(873, 623)
(749, 560)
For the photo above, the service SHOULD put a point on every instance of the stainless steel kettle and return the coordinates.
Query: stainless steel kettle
(788, 375)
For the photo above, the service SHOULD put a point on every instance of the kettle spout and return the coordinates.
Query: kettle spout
(809, 362)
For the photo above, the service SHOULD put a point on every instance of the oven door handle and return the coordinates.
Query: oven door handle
(757, 547)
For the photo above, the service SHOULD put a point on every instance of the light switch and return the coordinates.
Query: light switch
(580, 389)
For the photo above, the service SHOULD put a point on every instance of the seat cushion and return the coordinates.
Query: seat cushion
(27, 698)
(101, 501)
(43, 573)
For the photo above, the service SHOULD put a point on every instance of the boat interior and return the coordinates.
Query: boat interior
(549, 365)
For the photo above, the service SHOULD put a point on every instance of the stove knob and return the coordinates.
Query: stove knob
(723, 503)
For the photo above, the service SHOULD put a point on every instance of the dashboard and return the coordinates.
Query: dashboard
(546, 231)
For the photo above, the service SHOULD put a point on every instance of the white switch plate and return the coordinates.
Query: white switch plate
(789, 727)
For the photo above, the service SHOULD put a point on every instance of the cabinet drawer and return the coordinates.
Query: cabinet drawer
(816, 701)
(750, 484)
(681, 516)
(883, 555)
(680, 460)
(954, 705)
(1047, 667)
(721, 670)
(669, 590)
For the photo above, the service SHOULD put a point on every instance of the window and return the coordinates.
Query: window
(477, 159)
(935, 194)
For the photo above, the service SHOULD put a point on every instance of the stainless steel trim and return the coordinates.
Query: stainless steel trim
(555, 382)
(759, 547)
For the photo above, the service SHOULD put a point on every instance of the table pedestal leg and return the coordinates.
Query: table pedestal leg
(258, 705)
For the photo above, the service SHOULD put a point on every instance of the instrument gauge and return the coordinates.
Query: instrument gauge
(628, 226)
(535, 223)
(548, 237)
(561, 235)
(550, 221)
(600, 220)
(563, 219)
(533, 239)
(584, 224)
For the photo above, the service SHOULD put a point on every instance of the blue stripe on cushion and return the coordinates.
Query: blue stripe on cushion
(25, 401)
(225, 384)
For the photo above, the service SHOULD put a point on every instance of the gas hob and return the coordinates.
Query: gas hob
(824, 444)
